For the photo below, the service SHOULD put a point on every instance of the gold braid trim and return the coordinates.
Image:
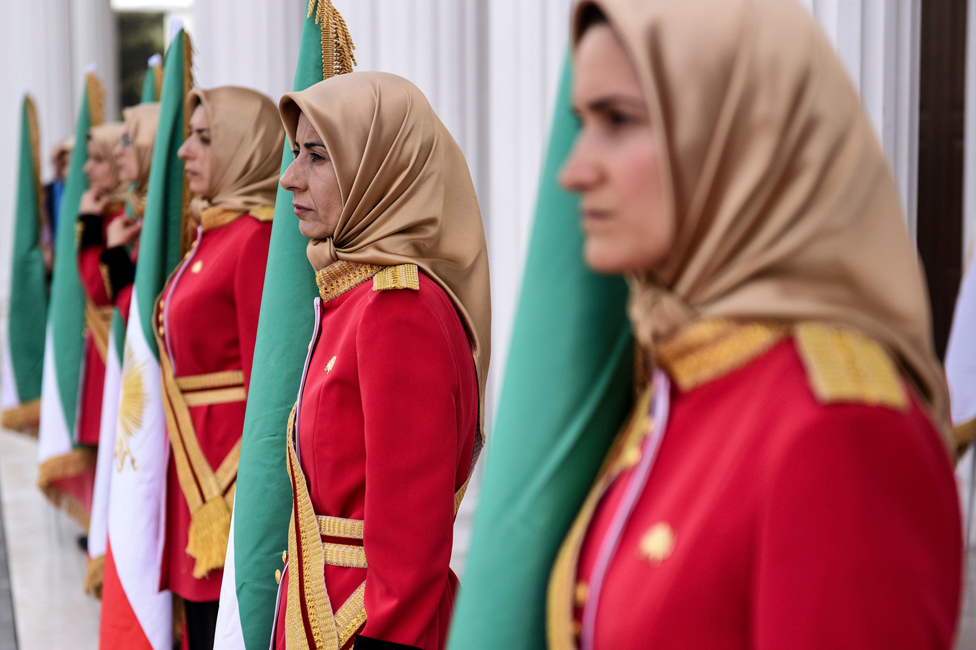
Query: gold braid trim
(96, 99)
(207, 493)
(339, 527)
(95, 576)
(337, 45)
(24, 418)
(561, 596)
(340, 277)
(221, 379)
(352, 615)
(709, 349)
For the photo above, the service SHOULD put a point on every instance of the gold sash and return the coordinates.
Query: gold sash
(99, 322)
(309, 621)
(209, 494)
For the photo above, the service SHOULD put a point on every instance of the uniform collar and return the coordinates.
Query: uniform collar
(340, 277)
(709, 349)
(216, 217)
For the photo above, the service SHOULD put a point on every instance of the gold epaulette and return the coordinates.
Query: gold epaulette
(844, 366)
(262, 213)
(401, 276)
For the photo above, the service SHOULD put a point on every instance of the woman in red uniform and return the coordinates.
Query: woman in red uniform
(207, 318)
(133, 155)
(387, 424)
(783, 483)
(101, 205)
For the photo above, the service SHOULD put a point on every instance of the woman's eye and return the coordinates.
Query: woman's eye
(205, 140)
(295, 152)
(619, 118)
(317, 157)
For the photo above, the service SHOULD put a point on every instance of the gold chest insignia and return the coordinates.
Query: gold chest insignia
(657, 544)
(197, 266)
(132, 405)
(330, 365)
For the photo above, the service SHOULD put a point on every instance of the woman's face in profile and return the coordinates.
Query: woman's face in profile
(312, 180)
(195, 153)
(98, 169)
(615, 165)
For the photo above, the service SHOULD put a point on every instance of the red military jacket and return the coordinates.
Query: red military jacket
(386, 421)
(208, 319)
(91, 246)
(800, 498)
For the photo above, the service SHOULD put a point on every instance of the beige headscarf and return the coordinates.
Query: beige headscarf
(141, 120)
(783, 202)
(407, 195)
(106, 136)
(246, 142)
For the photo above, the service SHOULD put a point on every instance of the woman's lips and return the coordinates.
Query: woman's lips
(299, 209)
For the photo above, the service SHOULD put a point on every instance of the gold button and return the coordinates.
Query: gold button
(330, 365)
(162, 303)
(581, 593)
(278, 576)
(196, 266)
(657, 543)
(284, 556)
(577, 628)
(630, 457)
(162, 331)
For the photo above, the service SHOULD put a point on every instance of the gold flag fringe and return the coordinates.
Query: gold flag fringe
(95, 576)
(24, 418)
(35, 145)
(65, 466)
(96, 99)
(157, 73)
(187, 234)
(337, 45)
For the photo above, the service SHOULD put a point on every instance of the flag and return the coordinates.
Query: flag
(566, 391)
(66, 473)
(262, 503)
(23, 342)
(135, 614)
(98, 527)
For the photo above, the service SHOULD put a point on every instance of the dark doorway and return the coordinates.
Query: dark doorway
(940, 156)
(140, 36)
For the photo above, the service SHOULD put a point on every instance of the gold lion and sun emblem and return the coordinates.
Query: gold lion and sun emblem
(132, 405)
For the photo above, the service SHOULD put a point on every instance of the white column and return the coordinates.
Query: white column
(94, 41)
(35, 55)
(252, 43)
(879, 42)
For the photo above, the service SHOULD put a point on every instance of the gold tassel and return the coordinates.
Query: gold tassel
(35, 145)
(68, 504)
(337, 45)
(25, 418)
(96, 99)
(95, 576)
(208, 536)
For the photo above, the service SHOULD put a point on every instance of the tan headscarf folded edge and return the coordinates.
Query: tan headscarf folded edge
(106, 136)
(407, 194)
(783, 202)
(141, 121)
(246, 143)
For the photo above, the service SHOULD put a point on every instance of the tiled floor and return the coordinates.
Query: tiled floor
(47, 568)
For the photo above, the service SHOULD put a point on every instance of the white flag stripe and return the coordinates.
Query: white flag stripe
(98, 528)
(54, 438)
(136, 499)
(229, 635)
(8, 385)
